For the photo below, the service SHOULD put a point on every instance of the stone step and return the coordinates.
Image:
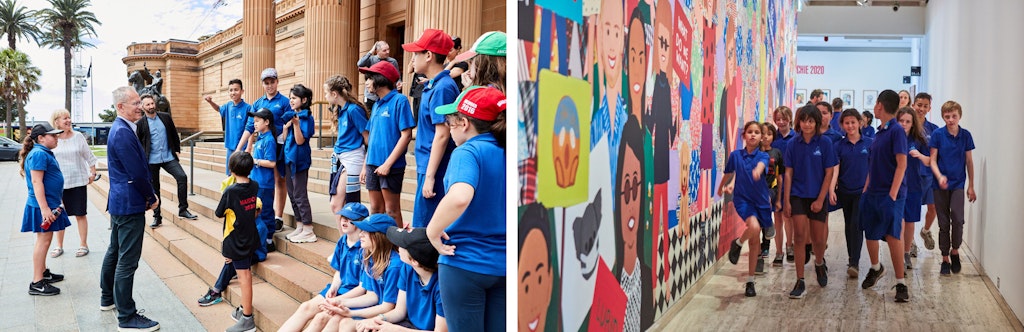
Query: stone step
(320, 159)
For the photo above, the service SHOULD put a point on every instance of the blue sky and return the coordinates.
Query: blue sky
(123, 22)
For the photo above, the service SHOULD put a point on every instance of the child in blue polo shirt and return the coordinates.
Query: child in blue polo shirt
(422, 309)
(390, 129)
(951, 148)
(473, 279)
(885, 193)
(918, 157)
(297, 158)
(278, 104)
(43, 212)
(833, 134)
(774, 180)
(745, 172)
(263, 148)
(923, 105)
(783, 117)
(350, 146)
(852, 152)
(433, 143)
(809, 164)
(377, 292)
(347, 263)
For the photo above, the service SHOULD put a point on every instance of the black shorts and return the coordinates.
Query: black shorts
(802, 206)
(75, 200)
(244, 264)
(392, 182)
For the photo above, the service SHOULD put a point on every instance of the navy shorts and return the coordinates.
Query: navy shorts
(881, 216)
(243, 264)
(392, 182)
(912, 209)
(746, 210)
(926, 185)
(802, 206)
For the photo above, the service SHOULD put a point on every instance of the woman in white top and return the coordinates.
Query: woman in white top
(78, 165)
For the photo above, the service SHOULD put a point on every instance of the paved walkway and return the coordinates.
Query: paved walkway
(77, 307)
(960, 302)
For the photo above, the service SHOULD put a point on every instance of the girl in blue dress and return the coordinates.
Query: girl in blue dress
(43, 212)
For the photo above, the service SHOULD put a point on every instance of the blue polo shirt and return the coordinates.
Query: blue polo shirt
(391, 114)
(295, 155)
(265, 148)
(833, 135)
(277, 105)
(835, 121)
(926, 171)
(439, 91)
(853, 164)
(40, 158)
(889, 141)
(158, 148)
(742, 164)
(952, 158)
(915, 168)
(351, 125)
(348, 262)
(422, 302)
(479, 233)
(781, 142)
(808, 161)
(235, 117)
(386, 287)
(868, 131)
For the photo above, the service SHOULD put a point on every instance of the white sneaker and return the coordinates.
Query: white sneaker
(298, 229)
(306, 235)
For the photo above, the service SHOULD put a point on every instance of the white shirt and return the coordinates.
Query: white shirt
(75, 158)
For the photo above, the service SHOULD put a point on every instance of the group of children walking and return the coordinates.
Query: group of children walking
(389, 271)
(879, 179)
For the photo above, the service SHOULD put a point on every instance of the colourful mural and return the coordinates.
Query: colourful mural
(628, 110)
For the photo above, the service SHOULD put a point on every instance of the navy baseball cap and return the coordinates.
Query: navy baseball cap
(354, 211)
(377, 223)
(262, 113)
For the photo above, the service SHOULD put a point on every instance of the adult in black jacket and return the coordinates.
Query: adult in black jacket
(159, 138)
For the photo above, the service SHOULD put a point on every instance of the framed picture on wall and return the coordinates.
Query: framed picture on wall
(826, 95)
(801, 96)
(847, 97)
(869, 98)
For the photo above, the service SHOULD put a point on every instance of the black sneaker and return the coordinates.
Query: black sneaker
(789, 254)
(271, 247)
(734, 252)
(751, 292)
(187, 215)
(955, 265)
(807, 255)
(42, 288)
(872, 277)
(821, 271)
(278, 224)
(210, 298)
(138, 322)
(945, 268)
(798, 290)
(902, 293)
(778, 260)
(760, 266)
(157, 222)
(52, 277)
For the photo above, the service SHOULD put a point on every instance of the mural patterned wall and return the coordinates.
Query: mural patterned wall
(628, 109)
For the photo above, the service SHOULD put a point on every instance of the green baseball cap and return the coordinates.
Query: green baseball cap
(490, 43)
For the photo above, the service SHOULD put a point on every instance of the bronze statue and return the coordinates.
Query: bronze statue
(144, 82)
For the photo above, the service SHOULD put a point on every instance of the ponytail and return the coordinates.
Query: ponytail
(343, 87)
(26, 146)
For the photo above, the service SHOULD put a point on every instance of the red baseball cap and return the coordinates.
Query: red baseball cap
(432, 40)
(384, 68)
(481, 103)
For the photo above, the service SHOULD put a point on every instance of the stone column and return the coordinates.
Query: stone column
(331, 38)
(258, 44)
(460, 18)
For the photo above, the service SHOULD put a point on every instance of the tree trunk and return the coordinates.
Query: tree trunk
(11, 40)
(21, 120)
(67, 77)
(10, 129)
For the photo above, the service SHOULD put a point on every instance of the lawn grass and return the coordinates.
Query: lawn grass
(99, 151)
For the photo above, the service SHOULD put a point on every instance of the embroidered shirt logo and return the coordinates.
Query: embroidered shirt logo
(817, 152)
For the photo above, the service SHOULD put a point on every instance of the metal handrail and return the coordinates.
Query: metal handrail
(320, 115)
(191, 140)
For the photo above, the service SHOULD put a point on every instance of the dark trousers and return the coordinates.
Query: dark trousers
(117, 275)
(296, 183)
(472, 301)
(850, 203)
(949, 208)
(174, 169)
(228, 272)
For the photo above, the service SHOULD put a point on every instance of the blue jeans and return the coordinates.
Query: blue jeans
(117, 275)
(472, 301)
(850, 204)
(228, 272)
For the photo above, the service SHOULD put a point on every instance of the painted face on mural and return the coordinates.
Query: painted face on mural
(631, 185)
(663, 42)
(637, 52)
(612, 35)
(535, 282)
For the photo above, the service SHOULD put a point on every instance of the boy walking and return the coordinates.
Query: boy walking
(239, 207)
(951, 165)
(885, 194)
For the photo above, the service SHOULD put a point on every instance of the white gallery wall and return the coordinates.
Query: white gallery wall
(972, 54)
(857, 71)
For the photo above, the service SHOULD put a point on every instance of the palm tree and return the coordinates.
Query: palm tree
(20, 79)
(17, 22)
(66, 24)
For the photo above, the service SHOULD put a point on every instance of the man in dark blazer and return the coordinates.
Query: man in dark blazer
(161, 143)
(129, 197)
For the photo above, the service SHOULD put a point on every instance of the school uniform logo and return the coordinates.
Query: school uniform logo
(817, 152)
(384, 113)
(864, 151)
